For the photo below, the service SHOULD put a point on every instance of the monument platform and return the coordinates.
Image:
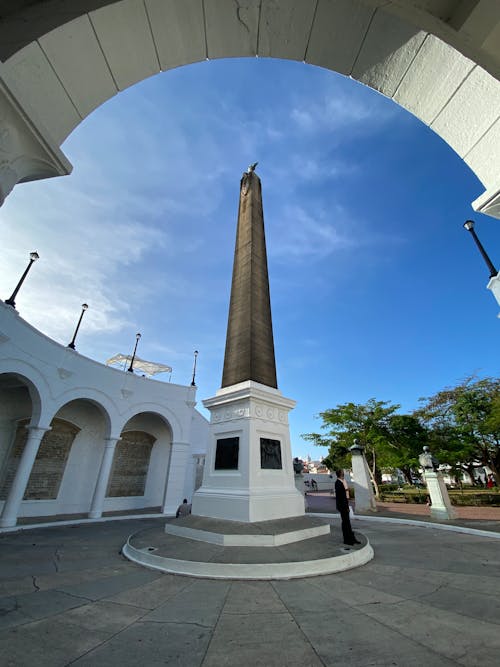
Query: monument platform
(218, 549)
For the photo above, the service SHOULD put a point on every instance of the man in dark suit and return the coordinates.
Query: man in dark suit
(343, 509)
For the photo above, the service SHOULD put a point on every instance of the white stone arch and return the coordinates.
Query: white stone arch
(38, 388)
(101, 401)
(440, 61)
(171, 419)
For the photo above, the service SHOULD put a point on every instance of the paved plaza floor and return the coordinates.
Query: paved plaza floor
(429, 597)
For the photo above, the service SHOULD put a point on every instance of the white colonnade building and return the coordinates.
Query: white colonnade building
(80, 438)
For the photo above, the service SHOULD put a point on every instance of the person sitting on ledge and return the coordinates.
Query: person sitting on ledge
(184, 509)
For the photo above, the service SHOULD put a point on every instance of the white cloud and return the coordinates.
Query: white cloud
(305, 235)
(84, 255)
(337, 110)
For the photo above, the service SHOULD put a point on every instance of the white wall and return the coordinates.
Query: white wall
(102, 402)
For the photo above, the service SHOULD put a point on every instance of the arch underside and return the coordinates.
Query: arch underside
(443, 67)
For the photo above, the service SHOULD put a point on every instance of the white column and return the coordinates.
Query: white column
(364, 498)
(441, 507)
(179, 455)
(97, 504)
(23, 472)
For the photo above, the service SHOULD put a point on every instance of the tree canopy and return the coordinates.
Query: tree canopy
(461, 425)
(465, 423)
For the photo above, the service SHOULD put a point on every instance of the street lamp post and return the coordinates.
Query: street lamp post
(12, 300)
(131, 367)
(72, 344)
(469, 226)
(193, 382)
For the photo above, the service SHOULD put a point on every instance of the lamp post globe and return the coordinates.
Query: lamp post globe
(11, 301)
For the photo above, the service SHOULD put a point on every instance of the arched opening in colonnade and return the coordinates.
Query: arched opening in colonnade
(20, 404)
(139, 472)
(64, 471)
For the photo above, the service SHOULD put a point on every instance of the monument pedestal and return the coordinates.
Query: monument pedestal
(441, 507)
(364, 498)
(248, 473)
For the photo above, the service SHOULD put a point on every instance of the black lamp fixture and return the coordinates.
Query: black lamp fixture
(193, 381)
(469, 226)
(137, 339)
(72, 344)
(12, 300)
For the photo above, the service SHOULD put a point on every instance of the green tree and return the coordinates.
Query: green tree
(406, 437)
(367, 423)
(465, 423)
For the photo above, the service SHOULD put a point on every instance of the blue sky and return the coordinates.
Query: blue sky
(376, 289)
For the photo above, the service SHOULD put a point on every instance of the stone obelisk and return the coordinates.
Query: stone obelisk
(248, 471)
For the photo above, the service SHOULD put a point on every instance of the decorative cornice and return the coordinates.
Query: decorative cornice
(249, 390)
(248, 410)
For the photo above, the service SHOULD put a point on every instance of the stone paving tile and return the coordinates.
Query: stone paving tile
(153, 594)
(465, 640)
(102, 588)
(46, 643)
(300, 595)
(102, 616)
(412, 587)
(247, 597)
(152, 644)
(198, 604)
(270, 639)
(485, 607)
(354, 593)
(18, 586)
(343, 636)
(31, 606)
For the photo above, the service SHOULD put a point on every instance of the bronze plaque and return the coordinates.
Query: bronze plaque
(270, 454)
(226, 454)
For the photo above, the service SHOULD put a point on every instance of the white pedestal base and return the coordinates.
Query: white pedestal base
(441, 507)
(364, 498)
(248, 506)
(250, 490)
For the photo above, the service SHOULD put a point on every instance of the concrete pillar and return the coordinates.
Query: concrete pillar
(96, 507)
(23, 472)
(179, 454)
(441, 507)
(363, 491)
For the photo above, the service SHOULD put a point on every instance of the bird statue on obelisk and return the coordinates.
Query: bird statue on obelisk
(249, 470)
